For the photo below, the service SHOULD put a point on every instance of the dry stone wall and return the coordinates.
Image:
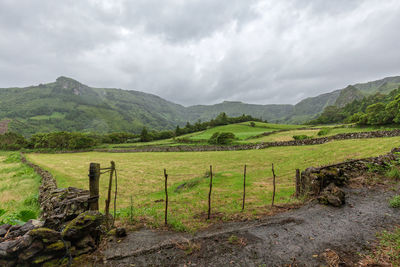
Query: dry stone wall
(67, 228)
(313, 180)
(313, 141)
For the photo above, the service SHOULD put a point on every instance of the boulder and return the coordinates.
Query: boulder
(332, 195)
(87, 223)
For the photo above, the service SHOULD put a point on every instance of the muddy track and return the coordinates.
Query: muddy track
(297, 237)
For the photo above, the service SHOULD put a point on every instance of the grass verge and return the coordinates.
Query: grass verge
(18, 190)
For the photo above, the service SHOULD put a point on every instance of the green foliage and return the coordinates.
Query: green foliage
(224, 138)
(252, 124)
(377, 109)
(62, 141)
(300, 137)
(393, 172)
(324, 131)
(12, 141)
(395, 202)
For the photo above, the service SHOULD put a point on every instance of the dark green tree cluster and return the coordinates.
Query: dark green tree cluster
(62, 140)
(377, 109)
(12, 141)
(224, 138)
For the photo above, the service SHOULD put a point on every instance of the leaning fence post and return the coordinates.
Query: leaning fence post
(108, 200)
(94, 178)
(209, 194)
(244, 186)
(274, 185)
(297, 183)
(166, 197)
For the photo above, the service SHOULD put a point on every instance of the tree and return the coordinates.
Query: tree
(145, 136)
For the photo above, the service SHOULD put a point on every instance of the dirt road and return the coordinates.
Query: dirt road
(298, 237)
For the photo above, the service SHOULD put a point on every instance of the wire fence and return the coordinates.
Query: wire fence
(112, 171)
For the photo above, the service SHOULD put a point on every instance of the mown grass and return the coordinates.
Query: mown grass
(18, 190)
(140, 175)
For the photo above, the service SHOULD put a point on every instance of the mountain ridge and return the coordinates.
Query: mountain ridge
(68, 105)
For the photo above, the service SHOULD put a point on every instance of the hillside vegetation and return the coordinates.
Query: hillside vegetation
(67, 105)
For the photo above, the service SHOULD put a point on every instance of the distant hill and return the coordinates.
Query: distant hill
(69, 105)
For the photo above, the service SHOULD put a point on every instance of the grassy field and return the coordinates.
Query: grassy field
(18, 190)
(140, 175)
(243, 130)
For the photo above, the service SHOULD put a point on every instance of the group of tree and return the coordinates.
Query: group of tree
(74, 140)
(377, 109)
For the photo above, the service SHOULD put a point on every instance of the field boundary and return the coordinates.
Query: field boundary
(304, 142)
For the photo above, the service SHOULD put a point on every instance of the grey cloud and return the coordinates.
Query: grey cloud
(201, 52)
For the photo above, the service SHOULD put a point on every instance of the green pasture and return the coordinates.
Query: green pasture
(18, 190)
(140, 176)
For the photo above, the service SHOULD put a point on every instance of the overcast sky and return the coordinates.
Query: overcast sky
(201, 51)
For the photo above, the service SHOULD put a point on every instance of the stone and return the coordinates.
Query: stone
(31, 251)
(46, 235)
(332, 195)
(87, 241)
(19, 244)
(120, 232)
(4, 229)
(87, 223)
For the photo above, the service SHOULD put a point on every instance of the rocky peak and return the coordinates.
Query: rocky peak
(70, 84)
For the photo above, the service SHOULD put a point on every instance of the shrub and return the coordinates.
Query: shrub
(12, 141)
(395, 202)
(224, 138)
(324, 131)
(300, 137)
(252, 124)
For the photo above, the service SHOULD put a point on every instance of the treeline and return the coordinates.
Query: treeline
(377, 109)
(221, 119)
(75, 140)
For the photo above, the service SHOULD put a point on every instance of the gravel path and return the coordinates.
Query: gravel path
(294, 238)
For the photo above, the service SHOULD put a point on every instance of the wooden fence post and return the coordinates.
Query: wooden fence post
(244, 186)
(166, 197)
(274, 185)
(108, 200)
(297, 183)
(209, 194)
(115, 194)
(94, 178)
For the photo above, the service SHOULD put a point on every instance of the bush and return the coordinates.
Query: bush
(393, 172)
(224, 138)
(300, 137)
(252, 124)
(62, 140)
(395, 202)
(12, 141)
(324, 131)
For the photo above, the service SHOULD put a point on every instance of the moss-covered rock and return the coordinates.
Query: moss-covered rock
(87, 223)
(46, 235)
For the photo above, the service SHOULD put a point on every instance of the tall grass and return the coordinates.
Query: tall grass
(18, 190)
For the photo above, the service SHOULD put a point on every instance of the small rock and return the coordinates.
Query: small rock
(4, 229)
(120, 232)
(31, 251)
(332, 195)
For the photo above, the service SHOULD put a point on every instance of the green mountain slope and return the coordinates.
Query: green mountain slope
(69, 105)
(72, 106)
